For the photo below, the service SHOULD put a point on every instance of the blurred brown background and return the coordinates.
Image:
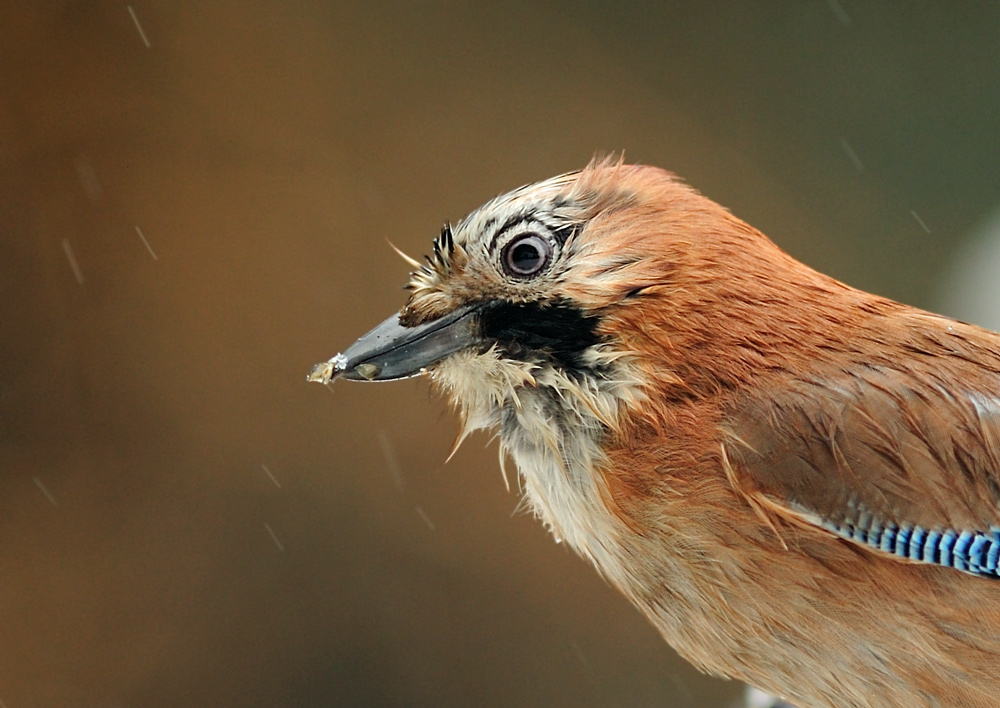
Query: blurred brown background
(183, 520)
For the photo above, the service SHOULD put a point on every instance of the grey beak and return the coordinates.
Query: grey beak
(392, 351)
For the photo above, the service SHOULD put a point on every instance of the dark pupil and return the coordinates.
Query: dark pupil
(525, 257)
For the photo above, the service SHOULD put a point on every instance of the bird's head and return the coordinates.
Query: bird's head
(562, 284)
(565, 311)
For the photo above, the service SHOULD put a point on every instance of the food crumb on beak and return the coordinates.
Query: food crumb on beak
(368, 371)
(326, 370)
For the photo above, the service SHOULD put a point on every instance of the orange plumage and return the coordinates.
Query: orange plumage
(797, 482)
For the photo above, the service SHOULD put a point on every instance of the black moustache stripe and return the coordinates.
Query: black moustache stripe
(557, 333)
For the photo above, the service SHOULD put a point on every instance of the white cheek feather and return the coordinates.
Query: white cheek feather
(552, 427)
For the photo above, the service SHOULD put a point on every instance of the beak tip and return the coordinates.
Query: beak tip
(392, 351)
(326, 371)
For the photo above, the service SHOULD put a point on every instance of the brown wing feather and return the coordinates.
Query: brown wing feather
(906, 445)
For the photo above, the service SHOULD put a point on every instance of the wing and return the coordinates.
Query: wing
(905, 462)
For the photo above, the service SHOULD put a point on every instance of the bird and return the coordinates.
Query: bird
(797, 482)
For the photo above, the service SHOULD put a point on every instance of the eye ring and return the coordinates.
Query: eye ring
(526, 256)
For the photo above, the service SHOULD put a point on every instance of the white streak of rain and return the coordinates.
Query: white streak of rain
(142, 34)
(427, 520)
(46, 492)
(840, 12)
(853, 156)
(270, 476)
(72, 261)
(390, 460)
(274, 537)
(148, 247)
(920, 221)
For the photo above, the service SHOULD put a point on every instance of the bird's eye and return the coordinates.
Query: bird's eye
(526, 256)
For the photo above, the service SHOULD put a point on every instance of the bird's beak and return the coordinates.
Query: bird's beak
(392, 351)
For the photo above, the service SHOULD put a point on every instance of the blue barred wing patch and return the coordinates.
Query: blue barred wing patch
(975, 552)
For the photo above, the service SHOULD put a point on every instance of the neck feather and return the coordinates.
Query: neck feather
(553, 426)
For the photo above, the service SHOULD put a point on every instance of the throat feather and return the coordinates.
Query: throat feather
(557, 449)
(553, 424)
